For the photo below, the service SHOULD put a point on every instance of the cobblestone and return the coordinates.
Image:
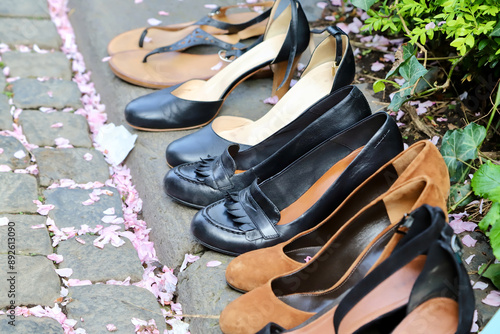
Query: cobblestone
(21, 31)
(33, 94)
(34, 65)
(25, 8)
(14, 154)
(18, 193)
(5, 116)
(28, 240)
(30, 325)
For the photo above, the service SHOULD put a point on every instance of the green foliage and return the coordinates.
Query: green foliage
(493, 273)
(486, 181)
(459, 147)
(464, 25)
(459, 195)
(363, 4)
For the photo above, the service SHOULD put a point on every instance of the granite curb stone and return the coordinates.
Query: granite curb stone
(115, 263)
(30, 325)
(5, 116)
(194, 292)
(28, 240)
(53, 93)
(21, 31)
(37, 128)
(29, 288)
(102, 304)
(35, 65)
(18, 193)
(25, 8)
(11, 146)
(69, 211)
(68, 163)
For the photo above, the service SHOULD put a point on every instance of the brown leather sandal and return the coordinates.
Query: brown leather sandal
(231, 28)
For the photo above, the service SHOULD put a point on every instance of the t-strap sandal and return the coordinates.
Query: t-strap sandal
(229, 28)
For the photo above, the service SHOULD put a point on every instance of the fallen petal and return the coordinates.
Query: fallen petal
(493, 298)
(469, 241)
(64, 272)
(213, 263)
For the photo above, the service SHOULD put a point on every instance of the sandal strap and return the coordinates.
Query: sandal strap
(337, 33)
(415, 243)
(231, 28)
(196, 37)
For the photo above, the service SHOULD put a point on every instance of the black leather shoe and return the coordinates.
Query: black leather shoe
(317, 82)
(195, 103)
(201, 183)
(301, 195)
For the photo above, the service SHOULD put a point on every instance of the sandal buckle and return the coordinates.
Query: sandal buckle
(456, 246)
(223, 57)
(215, 11)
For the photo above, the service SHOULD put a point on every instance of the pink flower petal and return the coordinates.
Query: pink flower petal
(87, 156)
(307, 259)
(430, 26)
(57, 125)
(77, 282)
(469, 241)
(479, 285)
(106, 59)
(64, 272)
(20, 154)
(188, 258)
(474, 327)
(39, 226)
(88, 202)
(217, 66)
(5, 168)
(163, 13)
(460, 226)
(110, 211)
(377, 66)
(492, 299)
(469, 259)
(272, 100)
(213, 263)
(137, 1)
(321, 4)
(4, 221)
(1, 150)
(111, 328)
(153, 22)
(50, 93)
(80, 240)
(210, 6)
(55, 257)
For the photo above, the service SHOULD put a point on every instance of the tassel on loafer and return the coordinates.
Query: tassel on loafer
(356, 249)
(195, 103)
(331, 67)
(202, 183)
(303, 194)
(253, 269)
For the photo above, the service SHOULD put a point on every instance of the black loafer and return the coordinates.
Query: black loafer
(201, 183)
(301, 195)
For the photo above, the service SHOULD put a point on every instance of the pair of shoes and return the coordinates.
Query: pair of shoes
(195, 103)
(204, 182)
(354, 250)
(422, 287)
(253, 269)
(154, 57)
(331, 67)
(299, 196)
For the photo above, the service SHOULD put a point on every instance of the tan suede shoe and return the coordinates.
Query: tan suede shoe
(255, 268)
(356, 248)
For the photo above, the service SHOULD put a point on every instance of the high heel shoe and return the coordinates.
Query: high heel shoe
(356, 249)
(196, 102)
(253, 269)
(330, 68)
(436, 300)
(303, 194)
(204, 182)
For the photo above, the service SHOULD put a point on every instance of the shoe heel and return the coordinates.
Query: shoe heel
(279, 72)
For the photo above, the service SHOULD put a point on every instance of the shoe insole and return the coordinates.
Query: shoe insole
(306, 92)
(167, 35)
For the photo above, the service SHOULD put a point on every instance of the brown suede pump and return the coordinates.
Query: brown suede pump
(253, 269)
(355, 249)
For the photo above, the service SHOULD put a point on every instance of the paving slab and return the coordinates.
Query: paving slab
(29, 288)
(18, 193)
(102, 304)
(5, 116)
(3, 82)
(26, 8)
(33, 94)
(38, 65)
(28, 240)
(68, 163)
(198, 297)
(21, 31)
(100, 265)
(68, 210)
(37, 127)
(14, 154)
(30, 325)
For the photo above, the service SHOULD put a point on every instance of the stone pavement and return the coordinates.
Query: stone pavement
(27, 277)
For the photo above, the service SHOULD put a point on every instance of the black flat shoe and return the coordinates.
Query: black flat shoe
(195, 103)
(301, 195)
(201, 183)
(330, 68)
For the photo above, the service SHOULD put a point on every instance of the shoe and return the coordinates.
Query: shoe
(356, 249)
(303, 194)
(438, 299)
(230, 28)
(253, 269)
(330, 68)
(201, 183)
(195, 103)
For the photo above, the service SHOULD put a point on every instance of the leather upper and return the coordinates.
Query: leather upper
(247, 219)
(209, 179)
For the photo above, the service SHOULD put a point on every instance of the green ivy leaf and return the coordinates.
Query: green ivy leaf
(378, 86)
(491, 217)
(495, 239)
(457, 192)
(486, 181)
(461, 145)
(493, 273)
(400, 97)
(496, 31)
(412, 71)
(363, 4)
